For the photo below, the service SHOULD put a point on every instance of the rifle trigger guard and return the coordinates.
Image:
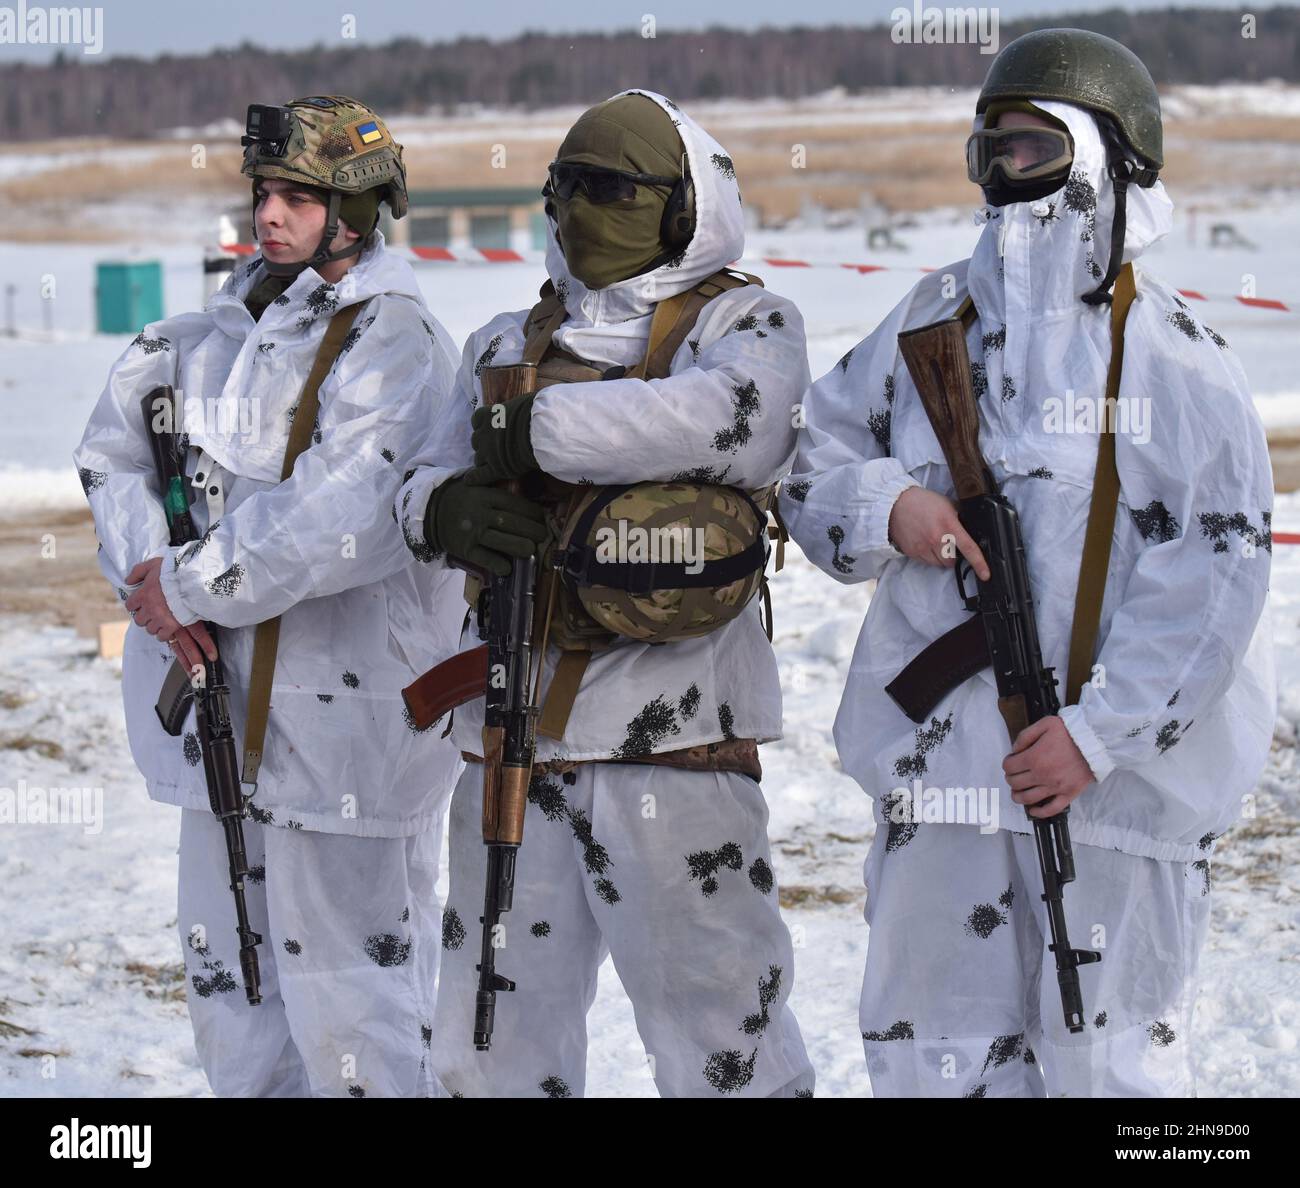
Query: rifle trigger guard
(970, 601)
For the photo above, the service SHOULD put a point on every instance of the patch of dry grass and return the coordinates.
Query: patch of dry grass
(165, 982)
(169, 171)
(46, 748)
(801, 895)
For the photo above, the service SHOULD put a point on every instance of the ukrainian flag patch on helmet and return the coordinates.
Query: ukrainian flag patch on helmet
(369, 132)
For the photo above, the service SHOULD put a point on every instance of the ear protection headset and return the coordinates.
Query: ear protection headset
(679, 212)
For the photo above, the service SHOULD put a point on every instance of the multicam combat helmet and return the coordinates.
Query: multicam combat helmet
(330, 143)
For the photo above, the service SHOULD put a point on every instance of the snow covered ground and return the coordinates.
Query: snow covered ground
(91, 986)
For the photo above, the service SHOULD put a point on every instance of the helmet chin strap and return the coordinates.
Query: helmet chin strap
(1119, 172)
(1123, 171)
(322, 254)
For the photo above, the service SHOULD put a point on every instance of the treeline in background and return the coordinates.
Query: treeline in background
(127, 96)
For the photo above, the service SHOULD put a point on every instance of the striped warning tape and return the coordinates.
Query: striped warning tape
(441, 255)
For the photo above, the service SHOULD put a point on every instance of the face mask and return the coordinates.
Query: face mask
(610, 242)
(999, 192)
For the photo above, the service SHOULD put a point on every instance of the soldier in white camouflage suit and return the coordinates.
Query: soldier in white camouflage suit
(666, 869)
(960, 996)
(343, 830)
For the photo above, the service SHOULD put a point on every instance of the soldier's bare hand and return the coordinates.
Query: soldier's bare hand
(1045, 768)
(924, 526)
(148, 607)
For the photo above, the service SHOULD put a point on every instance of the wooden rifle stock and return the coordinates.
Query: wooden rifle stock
(939, 365)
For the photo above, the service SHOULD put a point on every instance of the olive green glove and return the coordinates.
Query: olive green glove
(501, 440)
(485, 526)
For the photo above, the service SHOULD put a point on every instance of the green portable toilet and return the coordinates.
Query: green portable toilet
(128, 296)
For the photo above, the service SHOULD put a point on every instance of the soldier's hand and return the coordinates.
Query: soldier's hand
(147, 605)
(502, 439)
(486, 526)
(1046, 768)
(923, 525)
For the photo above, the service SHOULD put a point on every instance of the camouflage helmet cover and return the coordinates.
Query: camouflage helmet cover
(336, 143)
(729, 526)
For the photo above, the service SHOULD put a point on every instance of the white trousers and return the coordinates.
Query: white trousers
(668, 871)
(348, 958)
(960, 996)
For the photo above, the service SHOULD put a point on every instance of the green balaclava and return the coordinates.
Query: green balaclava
(610, 242)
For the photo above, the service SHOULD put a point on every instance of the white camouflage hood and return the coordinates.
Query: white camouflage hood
(612, 324)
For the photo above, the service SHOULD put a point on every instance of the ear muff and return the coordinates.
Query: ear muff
(678, 225)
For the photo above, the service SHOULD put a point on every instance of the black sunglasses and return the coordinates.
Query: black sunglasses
(599, 185)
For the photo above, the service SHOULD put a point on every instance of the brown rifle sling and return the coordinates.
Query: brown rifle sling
(543, 320)
(266, 640)
(1101, 513)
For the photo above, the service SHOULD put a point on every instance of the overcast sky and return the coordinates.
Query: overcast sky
(150, 27)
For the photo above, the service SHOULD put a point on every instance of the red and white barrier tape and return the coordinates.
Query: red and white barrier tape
(439, 255)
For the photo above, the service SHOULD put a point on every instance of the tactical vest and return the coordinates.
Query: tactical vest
(585, 603)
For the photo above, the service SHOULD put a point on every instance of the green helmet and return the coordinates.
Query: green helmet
(1088, 70)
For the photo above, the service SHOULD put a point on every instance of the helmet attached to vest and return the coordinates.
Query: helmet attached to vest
(1104, 77)
(659, 562)
(337, 147)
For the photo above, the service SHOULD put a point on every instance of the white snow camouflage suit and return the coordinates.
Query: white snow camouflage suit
(343, 829)
(669, 870)
(959, 986)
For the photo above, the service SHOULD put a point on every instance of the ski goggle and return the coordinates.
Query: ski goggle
(1024, 154)
(599, 185)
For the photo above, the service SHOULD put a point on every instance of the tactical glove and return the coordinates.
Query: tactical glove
(486, 526)
(503, 450)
